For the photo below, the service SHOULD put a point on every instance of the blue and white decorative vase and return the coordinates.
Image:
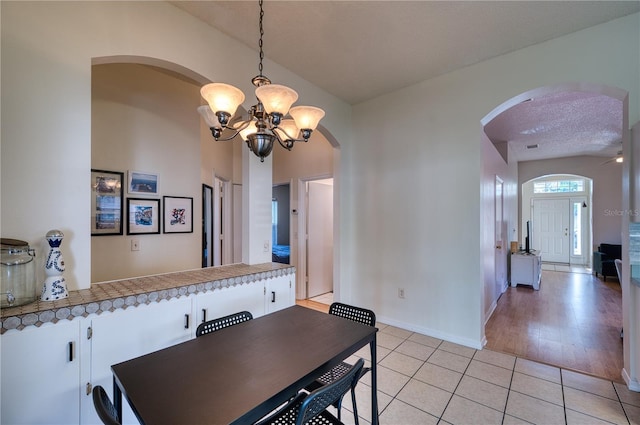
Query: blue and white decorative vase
(55, 288)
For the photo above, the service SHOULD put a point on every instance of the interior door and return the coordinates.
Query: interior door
(207, 225)
(320, 239)
(551, 229)
(500, 250)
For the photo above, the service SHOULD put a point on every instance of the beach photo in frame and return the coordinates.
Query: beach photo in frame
(178, 214)
(142, 183)
(106, 202)
(143, 216)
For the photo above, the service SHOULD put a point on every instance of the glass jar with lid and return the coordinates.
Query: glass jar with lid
(18, 276)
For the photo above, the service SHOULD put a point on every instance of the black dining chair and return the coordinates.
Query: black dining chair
(104, 407)
(356, 314)
(222, 322)
(311, 408)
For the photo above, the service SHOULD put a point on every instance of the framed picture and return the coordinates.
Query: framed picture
(141, 183)
(178, 214)
(143, 216)
(106, 202)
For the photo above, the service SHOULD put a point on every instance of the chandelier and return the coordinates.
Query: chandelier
(266, 122)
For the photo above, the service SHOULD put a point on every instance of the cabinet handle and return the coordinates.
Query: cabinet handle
(70, 351)
(273, 296)
(204, 315)
(186, 321)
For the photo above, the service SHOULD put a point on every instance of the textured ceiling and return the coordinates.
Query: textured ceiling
(358, 50)
(559, 125)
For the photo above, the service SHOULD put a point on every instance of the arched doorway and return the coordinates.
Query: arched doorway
(513, 142)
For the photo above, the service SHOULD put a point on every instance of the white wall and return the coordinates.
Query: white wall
(143, 119)
(410, 192)
(495, 166)
(47, 53)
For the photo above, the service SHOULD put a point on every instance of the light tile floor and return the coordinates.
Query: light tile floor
(423, 380)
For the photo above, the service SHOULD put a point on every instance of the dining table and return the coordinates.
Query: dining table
(241, 373)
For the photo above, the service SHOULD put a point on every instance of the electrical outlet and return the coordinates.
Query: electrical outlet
(135, 245)
(266, 246)
(400, 292)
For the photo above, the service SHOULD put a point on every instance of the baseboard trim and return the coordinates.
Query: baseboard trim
(632, 384)
(467, 342)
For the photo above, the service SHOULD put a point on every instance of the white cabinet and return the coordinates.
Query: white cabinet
(279, 293)
(125, 334)
(225, 301)
(526, 269)
(41, 375)
(48, 371)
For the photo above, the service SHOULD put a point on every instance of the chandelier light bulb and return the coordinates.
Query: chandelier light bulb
(222, 97)
(276, 98)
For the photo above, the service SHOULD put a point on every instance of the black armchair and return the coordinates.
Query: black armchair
(604, 260)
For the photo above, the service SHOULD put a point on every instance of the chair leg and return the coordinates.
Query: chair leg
(355, 407)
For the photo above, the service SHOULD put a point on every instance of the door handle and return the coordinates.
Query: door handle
(499, 247)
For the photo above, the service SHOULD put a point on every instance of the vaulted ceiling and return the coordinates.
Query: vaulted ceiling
(358, 50)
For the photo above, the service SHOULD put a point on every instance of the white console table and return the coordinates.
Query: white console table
(526, 269)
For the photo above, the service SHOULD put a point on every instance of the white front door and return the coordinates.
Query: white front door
(551, 229)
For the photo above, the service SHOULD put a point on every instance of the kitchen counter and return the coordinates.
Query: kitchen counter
(121, 294)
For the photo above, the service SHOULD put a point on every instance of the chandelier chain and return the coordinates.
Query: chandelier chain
(260, 41)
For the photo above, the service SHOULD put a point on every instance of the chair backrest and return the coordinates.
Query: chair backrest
(356, 314)
(325, 396)
(618, 263)
(222, 322)
(104, 407)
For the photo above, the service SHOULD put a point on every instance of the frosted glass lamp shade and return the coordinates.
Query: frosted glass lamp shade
(276, 98)
(306, 117)
(251, 128)
(209, 117)
(289, 129)
(222, 97)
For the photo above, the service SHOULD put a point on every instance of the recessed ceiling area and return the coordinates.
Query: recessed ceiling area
(563, 124)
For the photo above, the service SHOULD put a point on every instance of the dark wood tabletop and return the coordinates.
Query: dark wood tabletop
(240, 373)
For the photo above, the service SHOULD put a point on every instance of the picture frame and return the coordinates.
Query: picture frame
(178, 214)
(142, 183)
(143, 216)
(106, 202)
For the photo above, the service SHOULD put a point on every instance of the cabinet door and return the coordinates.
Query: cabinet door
(130, 333)
(279, 293)
(41, 375)
(225, 301)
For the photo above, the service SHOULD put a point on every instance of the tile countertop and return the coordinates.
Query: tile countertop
(110, 296)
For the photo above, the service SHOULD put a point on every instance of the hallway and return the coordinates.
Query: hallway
(573, 321)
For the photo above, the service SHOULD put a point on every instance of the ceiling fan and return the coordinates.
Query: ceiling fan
(617, 158)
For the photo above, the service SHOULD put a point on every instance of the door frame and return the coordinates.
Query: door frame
(500, 254)
(207, 225)
(302, 236)
(526, 209)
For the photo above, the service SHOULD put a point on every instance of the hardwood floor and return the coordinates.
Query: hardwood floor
(573, 321)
